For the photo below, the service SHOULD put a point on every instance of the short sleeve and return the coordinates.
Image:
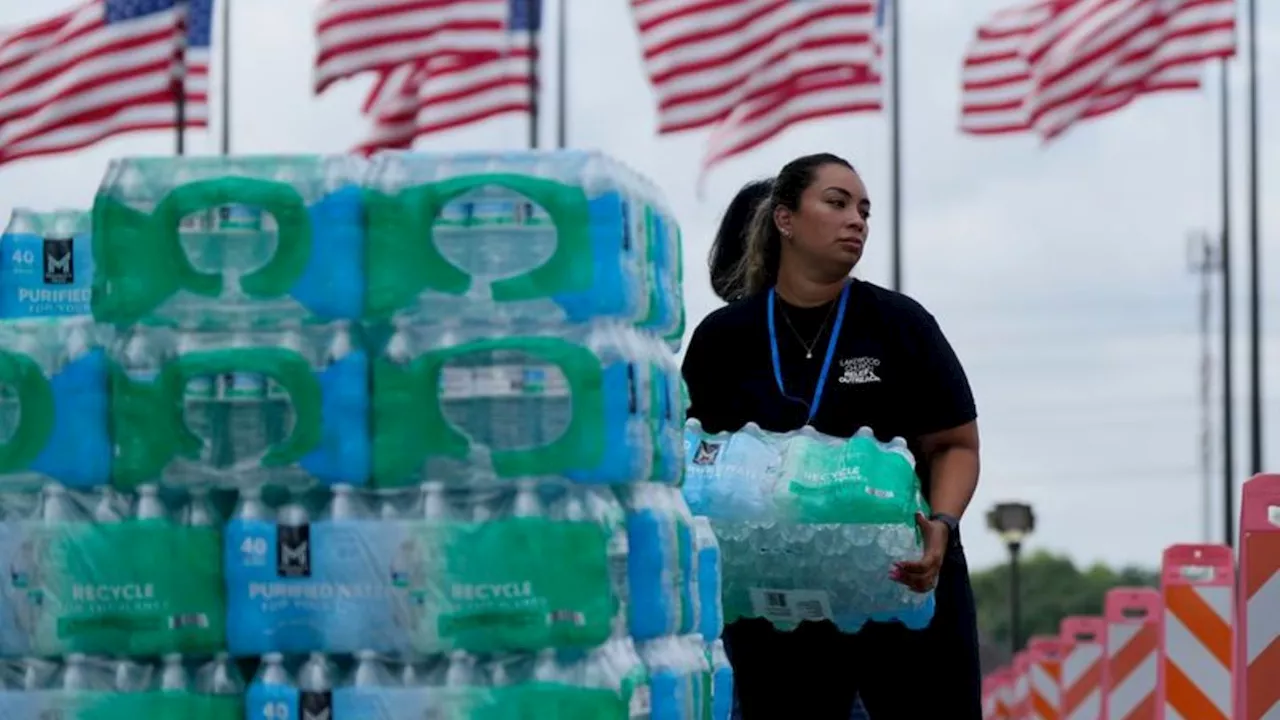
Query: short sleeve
(943, 397)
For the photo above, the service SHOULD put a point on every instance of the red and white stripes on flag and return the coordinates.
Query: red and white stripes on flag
(358, 36)
(439, 64)
(749, 69)
(417, 99)
(1044, 66)
(103, 68)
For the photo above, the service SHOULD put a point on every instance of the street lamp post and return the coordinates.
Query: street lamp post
(1013, 522)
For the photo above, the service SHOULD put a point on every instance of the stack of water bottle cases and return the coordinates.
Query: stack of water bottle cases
(398, 438)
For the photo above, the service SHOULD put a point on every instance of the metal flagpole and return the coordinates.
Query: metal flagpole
(895, 143)
(533, 23)
(180, 86)
(225, 42)
(1255, 253)
(1228, 333)
(562, 76)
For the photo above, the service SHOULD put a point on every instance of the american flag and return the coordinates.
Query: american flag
(359, 36)
(1046, 65)
(750, 69)
(103, 68)
(448, 91)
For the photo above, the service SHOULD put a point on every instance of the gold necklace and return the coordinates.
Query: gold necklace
(808, 346)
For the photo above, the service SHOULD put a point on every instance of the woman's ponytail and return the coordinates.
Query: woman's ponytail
(731, 250)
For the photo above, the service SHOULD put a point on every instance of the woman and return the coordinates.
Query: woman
(802, 343)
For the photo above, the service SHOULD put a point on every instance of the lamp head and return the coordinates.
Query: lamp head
(1012, 521)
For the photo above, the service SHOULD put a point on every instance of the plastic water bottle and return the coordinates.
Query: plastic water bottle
(23, 615)
(672, 679)
(316, 680)
(272, 695)
(710, 610)
(46, 264)
(721, 682)
(686, 559)
(668, 408)
(219, 677)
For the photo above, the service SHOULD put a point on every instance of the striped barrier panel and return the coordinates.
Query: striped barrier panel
(1258, 604)
(1198, 586)
(1020, 698)
(990, 691)
(1046, 677)
(1004, 692)
(1133, 647)
(1084, 678)
(995, 701)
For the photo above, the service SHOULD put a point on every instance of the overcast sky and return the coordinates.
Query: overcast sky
(1059, 273)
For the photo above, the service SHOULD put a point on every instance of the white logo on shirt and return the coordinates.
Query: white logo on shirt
(859, 370)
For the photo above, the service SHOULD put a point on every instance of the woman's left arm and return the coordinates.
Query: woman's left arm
(947, 422)
(953, 464)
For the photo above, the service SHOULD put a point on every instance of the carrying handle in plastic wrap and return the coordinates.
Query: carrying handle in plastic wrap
(139, 257)
(290, 370)
(281, 200)
(35, 411)
(404, 257)
(585, 377)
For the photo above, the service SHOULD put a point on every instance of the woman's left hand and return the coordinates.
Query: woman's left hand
(922, 575)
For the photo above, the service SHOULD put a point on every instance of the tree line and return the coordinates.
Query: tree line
(1052, 588)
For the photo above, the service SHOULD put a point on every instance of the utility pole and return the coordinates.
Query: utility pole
(1204, 258)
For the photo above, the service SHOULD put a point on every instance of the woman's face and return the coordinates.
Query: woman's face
(830, 224)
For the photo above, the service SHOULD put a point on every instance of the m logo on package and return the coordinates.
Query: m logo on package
(59, 268)
(707, 453)
(315, 705)
(293, 551)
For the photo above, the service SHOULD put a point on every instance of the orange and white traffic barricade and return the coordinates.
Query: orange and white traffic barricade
(1197, 583)
(1133, 653)
(1258, 608)
(1004, 693)
(996, 691)
(1084, 656)
(1046, 677)
(1020, 684)
(990, 693)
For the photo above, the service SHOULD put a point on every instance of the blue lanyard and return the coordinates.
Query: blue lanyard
(826, 363)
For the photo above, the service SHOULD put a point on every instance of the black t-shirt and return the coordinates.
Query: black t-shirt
(893, 370)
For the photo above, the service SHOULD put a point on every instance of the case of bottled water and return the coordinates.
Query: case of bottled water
(53, 404)
(241, 408)
(809, 526)
(101, 572)
(605, 683)
(46, 264)
(595, 403)
(80, 687)
(191, 240)
(433, 569)
(482, 237)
